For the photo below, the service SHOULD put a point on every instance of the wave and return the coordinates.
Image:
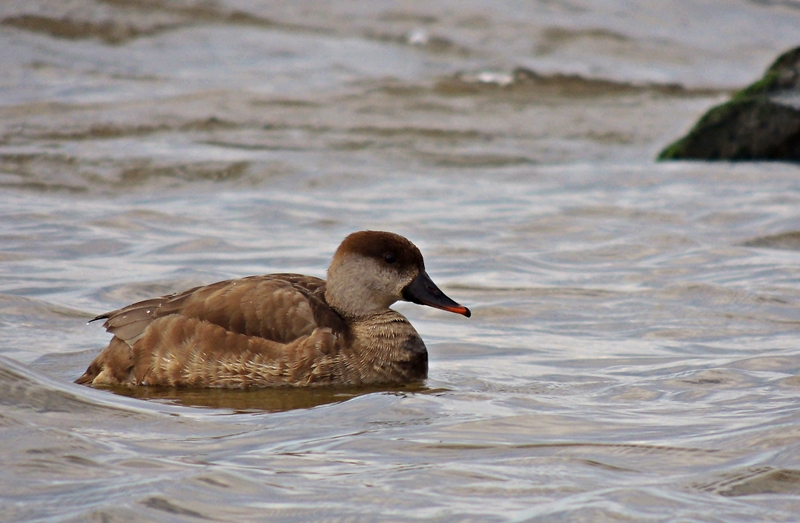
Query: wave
(522, 80)
(786, 240)
(135, 18)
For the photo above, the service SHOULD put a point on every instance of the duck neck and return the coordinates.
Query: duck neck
(353, 301)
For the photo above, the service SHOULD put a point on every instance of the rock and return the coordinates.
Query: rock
(760, 122)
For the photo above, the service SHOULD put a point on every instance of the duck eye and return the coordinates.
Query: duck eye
(389, 257)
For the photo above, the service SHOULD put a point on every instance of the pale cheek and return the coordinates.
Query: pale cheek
(405, 280)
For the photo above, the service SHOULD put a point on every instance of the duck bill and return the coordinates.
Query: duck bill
(423, 291)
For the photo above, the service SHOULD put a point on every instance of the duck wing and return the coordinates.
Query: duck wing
(275, 307)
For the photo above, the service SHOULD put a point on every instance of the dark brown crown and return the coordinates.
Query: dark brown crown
(385, 246)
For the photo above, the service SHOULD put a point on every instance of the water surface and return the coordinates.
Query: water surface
(633, 351)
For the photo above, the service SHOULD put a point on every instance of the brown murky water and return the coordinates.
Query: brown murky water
(634, 353)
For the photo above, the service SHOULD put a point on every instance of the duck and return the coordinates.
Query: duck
(281, 329)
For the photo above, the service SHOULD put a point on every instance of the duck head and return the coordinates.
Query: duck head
(371, 270)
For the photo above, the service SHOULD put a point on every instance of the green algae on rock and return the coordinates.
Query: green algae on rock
(760, 122)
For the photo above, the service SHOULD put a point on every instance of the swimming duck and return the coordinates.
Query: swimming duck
(281, 329)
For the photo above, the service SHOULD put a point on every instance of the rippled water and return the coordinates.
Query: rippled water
(633, 353)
